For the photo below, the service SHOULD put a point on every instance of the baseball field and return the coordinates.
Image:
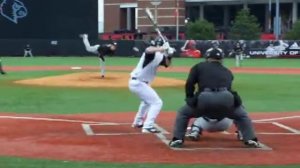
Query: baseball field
(56, 112)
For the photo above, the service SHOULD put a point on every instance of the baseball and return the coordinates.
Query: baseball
(135, 49)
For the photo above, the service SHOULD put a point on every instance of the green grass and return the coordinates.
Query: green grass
(260, 93)
(121, 61)
(7, 162)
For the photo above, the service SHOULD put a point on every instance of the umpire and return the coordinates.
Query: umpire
(213, 99)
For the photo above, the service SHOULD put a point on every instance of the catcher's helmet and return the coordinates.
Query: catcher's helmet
(215, 53)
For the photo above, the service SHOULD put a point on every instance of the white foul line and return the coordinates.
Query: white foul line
(161, 136)
(286, 127)
(53, 120)
(276, 119)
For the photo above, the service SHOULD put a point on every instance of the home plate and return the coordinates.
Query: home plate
(76, 68)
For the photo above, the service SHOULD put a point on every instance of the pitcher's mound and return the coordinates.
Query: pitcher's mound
(93, 79)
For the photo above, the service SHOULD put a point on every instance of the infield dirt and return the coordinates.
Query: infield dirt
(93, 79)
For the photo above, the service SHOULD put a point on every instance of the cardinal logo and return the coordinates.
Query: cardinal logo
(13, 10)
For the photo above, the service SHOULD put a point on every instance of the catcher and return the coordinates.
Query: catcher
(210, 125)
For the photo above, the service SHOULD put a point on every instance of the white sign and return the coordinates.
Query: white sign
(155, 2)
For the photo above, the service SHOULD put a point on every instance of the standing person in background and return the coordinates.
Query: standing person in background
(238, 51)
(1, 69)
(158, 54)
(189, 49)
(101, 50)
(28, 51)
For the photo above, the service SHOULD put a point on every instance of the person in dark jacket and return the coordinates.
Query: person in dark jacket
(214, 99)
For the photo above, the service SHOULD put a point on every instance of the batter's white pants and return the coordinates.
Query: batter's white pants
(211, 125)
(150, 105)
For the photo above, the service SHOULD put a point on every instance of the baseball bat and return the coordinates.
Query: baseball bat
(151, 18)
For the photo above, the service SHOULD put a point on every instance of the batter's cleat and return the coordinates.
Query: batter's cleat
(176, 143)
(239, 135)
(253, 143)
(150, 130)
(193, 136)
(137, 125)
(102, 76)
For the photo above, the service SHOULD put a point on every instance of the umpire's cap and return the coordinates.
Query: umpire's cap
(215, 54)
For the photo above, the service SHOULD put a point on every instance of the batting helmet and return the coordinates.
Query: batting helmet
(157, 42)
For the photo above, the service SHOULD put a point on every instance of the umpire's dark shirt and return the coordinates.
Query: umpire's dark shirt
(208, 75)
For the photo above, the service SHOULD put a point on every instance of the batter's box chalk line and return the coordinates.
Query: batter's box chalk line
(274, 121)
(90, 132)
(290, 130)
(165, 140)
(263, 148)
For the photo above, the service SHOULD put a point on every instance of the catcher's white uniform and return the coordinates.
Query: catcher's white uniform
(209, 125)
(212, 125)
(139, 84)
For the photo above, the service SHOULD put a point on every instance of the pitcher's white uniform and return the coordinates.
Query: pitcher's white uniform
(139, 83)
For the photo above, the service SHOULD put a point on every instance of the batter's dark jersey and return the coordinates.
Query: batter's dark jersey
(208, 75)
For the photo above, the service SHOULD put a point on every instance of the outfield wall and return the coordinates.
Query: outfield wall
(75, 47)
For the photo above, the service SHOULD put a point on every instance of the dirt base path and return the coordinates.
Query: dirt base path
(109, 138)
